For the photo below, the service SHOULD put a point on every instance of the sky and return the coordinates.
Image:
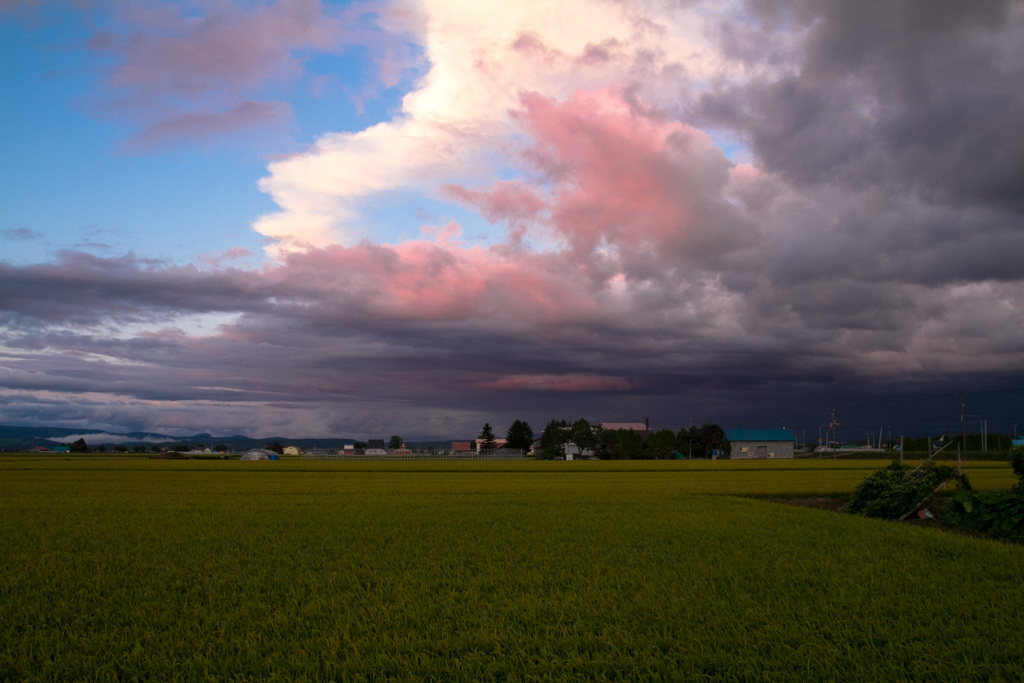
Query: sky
(333, 219)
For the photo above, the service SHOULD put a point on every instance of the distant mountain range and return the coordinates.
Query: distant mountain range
(13, 438)
(25, 438)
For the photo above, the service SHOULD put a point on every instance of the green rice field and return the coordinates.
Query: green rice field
(133, 569)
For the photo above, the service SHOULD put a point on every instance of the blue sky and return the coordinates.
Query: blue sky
(416, 216)
(78, 183)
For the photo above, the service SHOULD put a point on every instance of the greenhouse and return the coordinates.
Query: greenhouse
(260, 454)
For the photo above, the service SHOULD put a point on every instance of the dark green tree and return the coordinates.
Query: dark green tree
(662, 444)
(78, 447)
(553, 438)
(623, 444)
(275, 446)
(519, 436)
(138, 448)
(221, 448)
(599, 440)
(610, 444)
(582, 434)
(487, 438)
(631, 445)
(698, 442)
(684, 443)
(395, 442)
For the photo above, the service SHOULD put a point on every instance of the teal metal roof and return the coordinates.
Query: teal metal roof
(742, 434)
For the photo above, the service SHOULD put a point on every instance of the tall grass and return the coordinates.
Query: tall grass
(250, 571)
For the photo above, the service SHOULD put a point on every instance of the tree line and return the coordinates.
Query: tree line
(611, 444)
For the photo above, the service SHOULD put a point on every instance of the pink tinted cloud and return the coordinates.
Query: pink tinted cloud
(556, 383)
(615, 176)
(620, 175)
(505, 201)
(609, 172)
(441, 281)
(225, 258)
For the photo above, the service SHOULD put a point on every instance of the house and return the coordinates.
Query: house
(500, 443)
(461, 447)
(571, 451)
(760, 443)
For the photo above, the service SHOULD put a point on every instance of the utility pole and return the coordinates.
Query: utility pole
(833, 424)
(963, 434)
(963, 423)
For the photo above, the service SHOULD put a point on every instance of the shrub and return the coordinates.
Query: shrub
(999, 513)
(1017, 462)
(893, 491)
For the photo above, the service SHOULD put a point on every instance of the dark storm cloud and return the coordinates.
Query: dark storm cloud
(84, 289)
(908, 96)
(894, 195)
(65, 334)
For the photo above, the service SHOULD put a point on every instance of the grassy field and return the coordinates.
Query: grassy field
(120, 568)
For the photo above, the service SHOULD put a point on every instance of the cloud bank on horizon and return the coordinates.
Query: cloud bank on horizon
(722, 210)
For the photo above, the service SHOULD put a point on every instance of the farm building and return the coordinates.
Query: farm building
(376, 447)
(260, 454)
(499, 443)
(760, 443)
(572, 451)
(292, 450)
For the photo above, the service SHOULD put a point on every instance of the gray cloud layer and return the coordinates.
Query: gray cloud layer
(877, 250)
